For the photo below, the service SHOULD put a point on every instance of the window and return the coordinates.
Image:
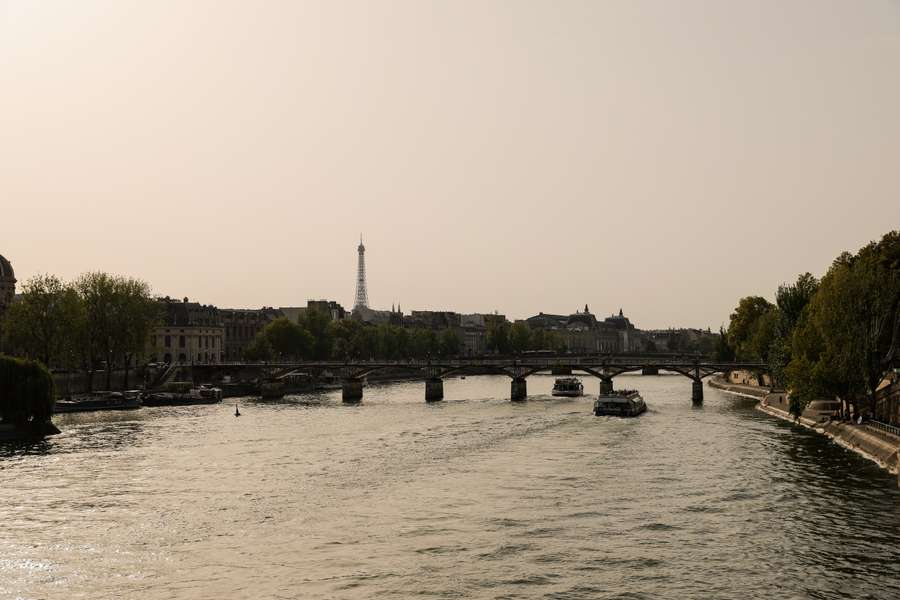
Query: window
(181, 341)
(168, 342)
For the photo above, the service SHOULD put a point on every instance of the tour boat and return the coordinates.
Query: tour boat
(568, 386)
(619, 403)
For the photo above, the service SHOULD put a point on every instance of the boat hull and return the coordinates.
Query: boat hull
(96, 403)
(619, 406)
(568, 393)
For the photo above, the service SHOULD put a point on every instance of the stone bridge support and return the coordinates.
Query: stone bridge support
(518, 389)
(352, 390)
(697, 391)
(606, 385)
(434, 389)
(697, 387)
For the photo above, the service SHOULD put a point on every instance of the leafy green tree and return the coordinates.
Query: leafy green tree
(287, 339)
(743, 325)
(519, 338)
(423, 343)
(449, 343)
(723, 350)
(119, 313)
(26, 392)
(319, 324)
(134, 313)
(498, 337)
(763, 334)
(96, 291)
(42, 324)
(259, 349)
(847, 336)
(790, 301)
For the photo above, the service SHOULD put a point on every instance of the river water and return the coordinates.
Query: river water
(473, 497)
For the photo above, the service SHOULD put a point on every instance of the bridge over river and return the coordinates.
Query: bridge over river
(603, 367)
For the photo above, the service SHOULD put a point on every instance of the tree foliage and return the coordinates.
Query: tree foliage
(744, 333)
(45, 322)
(834, 338)
(847, 336)
(98, 320)
(26, 391)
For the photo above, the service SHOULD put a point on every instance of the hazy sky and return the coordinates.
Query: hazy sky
(667, 157)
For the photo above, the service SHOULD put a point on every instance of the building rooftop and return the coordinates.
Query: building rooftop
(6, 270)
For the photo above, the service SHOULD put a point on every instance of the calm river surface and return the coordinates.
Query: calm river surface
(473, 497)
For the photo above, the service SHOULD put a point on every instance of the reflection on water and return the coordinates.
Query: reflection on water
(471, 497)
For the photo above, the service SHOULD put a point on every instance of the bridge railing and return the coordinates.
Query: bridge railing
(594, 361)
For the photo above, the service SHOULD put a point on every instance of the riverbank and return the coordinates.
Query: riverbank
(880, 447)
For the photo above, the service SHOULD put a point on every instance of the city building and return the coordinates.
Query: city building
(190, 333)
(7, 285)
(630, 339)
(474, 333)
(331, 308)
(241, 327)
(580, 331)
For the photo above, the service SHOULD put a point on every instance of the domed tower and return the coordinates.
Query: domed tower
(7, 284)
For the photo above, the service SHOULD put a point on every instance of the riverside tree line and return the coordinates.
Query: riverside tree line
(99, 321)
(834, 338)
(316, 337)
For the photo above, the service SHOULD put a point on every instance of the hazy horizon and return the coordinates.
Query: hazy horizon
(665, 158)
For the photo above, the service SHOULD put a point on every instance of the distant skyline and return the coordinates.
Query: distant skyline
(662, 157)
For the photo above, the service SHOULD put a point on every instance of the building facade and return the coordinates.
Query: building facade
(241, 327)
(191, 333)
(580, 331)
(7, 285)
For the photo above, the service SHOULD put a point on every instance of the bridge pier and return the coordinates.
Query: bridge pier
(606, 385)
(352, 390)
(697, 391)
(434, 389)
(518, 389)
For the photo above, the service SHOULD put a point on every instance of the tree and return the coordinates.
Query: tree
(498, 337)
(26, 392)
(96, 291)
(119, 313)
(134, 312)
(790, 301)
(259, 350)
(318, 323)
(519, 338)
(847, 336)
(744, 323)
(723, 350)
(42, 324)
(287, 339)
(449, 343)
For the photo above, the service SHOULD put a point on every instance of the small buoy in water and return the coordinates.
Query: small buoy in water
(237, 413)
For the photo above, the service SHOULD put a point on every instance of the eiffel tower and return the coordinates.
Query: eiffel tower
(362, 297)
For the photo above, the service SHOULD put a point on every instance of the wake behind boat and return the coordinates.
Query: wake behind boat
(568, 386)
(620, 403)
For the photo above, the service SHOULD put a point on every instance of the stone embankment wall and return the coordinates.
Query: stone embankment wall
(876, 445)
(77, 382)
